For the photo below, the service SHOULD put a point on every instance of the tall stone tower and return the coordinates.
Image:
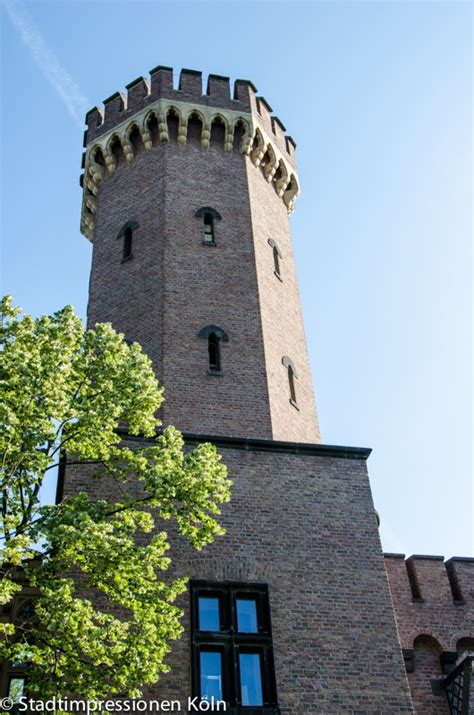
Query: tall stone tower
(186, 199)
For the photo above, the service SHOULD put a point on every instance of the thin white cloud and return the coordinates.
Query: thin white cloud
(47, 61)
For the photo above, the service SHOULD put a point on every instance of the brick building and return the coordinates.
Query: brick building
(186, 200)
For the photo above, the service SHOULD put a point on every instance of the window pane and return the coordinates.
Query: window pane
(209, 619)
(247, 615)
(250, 679)
(211, 675)
(16, 689)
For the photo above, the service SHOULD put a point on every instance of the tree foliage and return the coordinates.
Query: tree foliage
(104, 613)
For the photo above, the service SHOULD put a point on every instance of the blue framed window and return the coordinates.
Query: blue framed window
(232, 648)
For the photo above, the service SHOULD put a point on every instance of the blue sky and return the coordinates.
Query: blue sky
(378, 98)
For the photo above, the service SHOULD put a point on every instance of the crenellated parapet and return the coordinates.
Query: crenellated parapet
(154, 113)
(432, 597)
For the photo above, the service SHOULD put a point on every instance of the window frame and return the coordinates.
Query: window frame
(214, 343)
(208, 213)
(232, 643)
(277, 258)
(127, 253)
(219, 337)
(291, 375)
(208, 220)
(127, 233)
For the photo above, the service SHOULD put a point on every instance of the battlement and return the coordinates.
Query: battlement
(433, 600)
(431, 579)
(154, 113)
(143, 92)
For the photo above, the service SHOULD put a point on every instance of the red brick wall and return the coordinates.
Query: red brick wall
(302, 520)
(434, 610)
(174, 285)
(282, 321)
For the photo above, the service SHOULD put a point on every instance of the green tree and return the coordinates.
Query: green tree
(104, 614)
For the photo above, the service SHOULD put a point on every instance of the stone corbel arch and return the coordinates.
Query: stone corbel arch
(96, 173)
(90, 202)
(144, 134)
(183, 130)
(127, 133)
(93, 168)
(174, 111)
(145, 130)
(229, 137)
(271, 166)
(91, 189)
(283, 180)
(246, 142)
(258, 148)
(219, 118)
(163, 134)
(196, 114)
(108, 154)
(290, 194)
(127, 148)
(205, 135)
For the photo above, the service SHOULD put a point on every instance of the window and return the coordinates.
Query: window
(291, 380)
(16, 688)
(127, 244)
(276, 261)
(209, 217)
(291, 370)
(26, 611)
(208, 229)
(232, 645)
(214, 352)
(126, 233)
(214, 337)
(277, 255)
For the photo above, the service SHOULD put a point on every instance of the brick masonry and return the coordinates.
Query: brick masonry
(174, 286)
(434, 609)
(302, 520)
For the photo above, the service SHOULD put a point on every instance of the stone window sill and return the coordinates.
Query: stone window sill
(215, 373)
(209, 243)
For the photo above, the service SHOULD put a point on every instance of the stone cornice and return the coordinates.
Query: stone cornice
(99, 159)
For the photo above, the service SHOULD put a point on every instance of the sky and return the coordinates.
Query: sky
(378, 97)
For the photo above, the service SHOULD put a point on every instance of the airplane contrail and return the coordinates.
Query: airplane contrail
(46, 61)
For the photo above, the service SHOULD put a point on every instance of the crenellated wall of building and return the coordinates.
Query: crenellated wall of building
(159, 85)
(140, 118)
(433, 601)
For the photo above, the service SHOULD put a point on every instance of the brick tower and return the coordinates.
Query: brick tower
(186, 199)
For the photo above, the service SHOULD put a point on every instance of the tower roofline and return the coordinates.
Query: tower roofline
(263, 138)
(144, 91)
